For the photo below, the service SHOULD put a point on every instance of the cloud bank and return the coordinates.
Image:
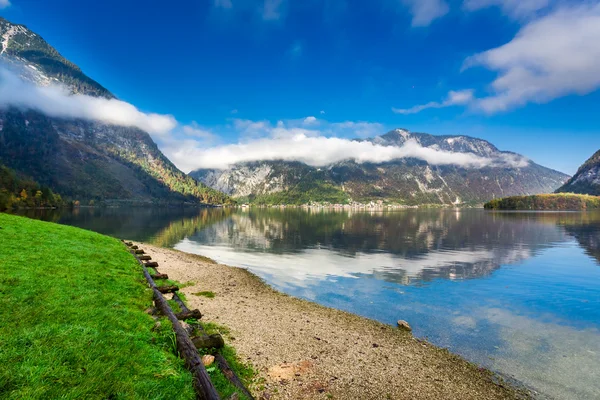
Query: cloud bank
(318, 151)
(56, 101)
(290, 141)
(4, 4)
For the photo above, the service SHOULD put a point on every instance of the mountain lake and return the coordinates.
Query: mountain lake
(516, 292)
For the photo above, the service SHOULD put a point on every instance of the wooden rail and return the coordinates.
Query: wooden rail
(205, 390)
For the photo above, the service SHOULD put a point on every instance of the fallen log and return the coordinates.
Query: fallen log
(214, 341)
(231, 375)
(168, 289)
(196, 314)
(145, 258)
(151, 264)
(160, 276)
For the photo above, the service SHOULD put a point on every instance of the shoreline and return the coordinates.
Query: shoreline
(303, 350)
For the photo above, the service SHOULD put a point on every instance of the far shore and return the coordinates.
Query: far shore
(306, 351)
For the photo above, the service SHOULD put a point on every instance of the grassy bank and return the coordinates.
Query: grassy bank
(73, 324)
(558, 201)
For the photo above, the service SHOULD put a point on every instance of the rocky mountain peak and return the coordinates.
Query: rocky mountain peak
(587, 178)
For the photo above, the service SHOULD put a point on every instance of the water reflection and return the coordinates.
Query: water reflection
(403, 247)
(161, 226)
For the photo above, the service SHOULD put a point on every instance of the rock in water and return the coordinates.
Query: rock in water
(402, 324)
(208, 360)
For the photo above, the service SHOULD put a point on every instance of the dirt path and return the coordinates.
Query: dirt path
(306, 351)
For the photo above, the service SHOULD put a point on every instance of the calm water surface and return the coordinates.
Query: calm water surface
(516, 292)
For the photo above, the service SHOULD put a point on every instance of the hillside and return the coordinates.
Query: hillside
(587, 178)
(80, 159)
(408, 181)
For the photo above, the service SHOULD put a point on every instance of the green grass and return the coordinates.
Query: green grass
(210, 295)
(72, 319)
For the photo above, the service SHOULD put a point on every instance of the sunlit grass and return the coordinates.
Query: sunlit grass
(72, 319)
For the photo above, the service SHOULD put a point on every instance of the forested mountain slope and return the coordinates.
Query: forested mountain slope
(77, 158)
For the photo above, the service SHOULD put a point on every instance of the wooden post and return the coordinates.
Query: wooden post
(196, 314)
(160, 276)
(145, 258)
(151, 264)
(168, 289)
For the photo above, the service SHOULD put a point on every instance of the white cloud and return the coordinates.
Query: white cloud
(285, 141)
(311, 121)
(223, 4)
(553, 56)
(425, 11)
(271, 10)
(316, 151)
(517, 9)
(454, 98)
(322, 112)
(4, 3)
(56, 101)
(550, 57)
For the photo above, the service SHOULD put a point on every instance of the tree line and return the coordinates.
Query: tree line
(559, 201)
(17, 192)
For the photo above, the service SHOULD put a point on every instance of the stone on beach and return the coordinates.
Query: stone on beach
(402, 324)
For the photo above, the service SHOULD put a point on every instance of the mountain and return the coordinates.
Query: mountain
(587, 178)
(81, 159)
(408, 181)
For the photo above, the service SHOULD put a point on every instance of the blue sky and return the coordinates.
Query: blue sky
(218, 66)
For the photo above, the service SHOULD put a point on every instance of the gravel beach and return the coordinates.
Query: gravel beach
(306, 351)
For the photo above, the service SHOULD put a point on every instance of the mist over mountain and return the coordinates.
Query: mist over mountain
(67, 132)
(434, 170)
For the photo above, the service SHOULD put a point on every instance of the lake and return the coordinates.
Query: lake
(517, 292)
